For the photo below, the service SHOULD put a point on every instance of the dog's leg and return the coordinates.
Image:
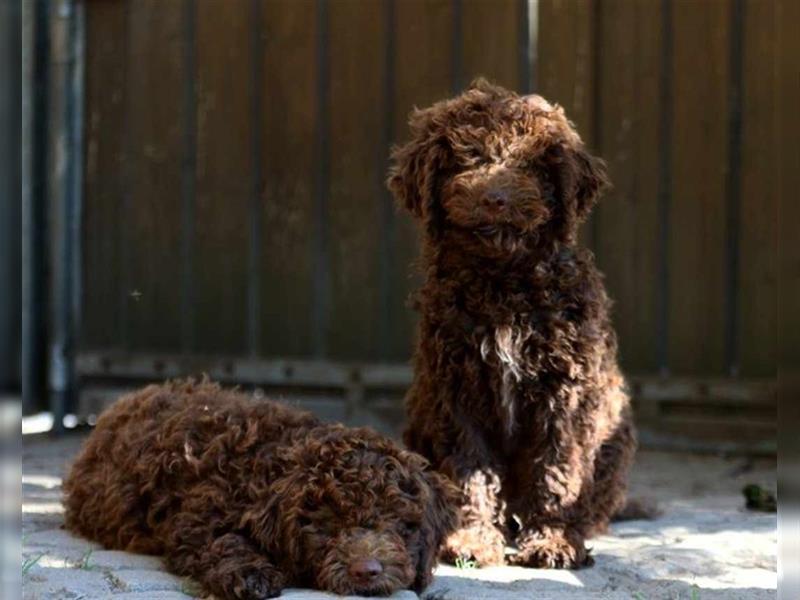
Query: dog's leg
(611, 468)
(228, 566)
(478, 538)
(557, 546)
(549, 482)
(474, 469)
(455, 444)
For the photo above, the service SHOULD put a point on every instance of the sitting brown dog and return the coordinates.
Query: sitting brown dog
(517, 395)
(247, 496)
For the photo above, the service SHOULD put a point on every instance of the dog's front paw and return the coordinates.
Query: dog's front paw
(551, 548)
(253, 584)
(483, 544)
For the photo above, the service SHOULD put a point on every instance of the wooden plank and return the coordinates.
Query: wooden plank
(105, 89)
(288, 141)
(697, 221)
(567, 56)
(566, 41)
(715, 433)
(422, 76)
(788, 131)
(758, 242)
(498, 59)
(704, 390)
(357, 161)
(626, 218)
(640, 350)
(224, 171)
(151, 223)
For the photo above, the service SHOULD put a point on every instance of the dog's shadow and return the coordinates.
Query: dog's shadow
(685, 555)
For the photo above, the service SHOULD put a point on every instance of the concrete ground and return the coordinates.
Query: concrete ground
(704, 546)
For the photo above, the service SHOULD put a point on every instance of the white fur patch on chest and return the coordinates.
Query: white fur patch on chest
(507, 345)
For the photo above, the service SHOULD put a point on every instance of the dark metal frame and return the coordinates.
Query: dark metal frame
(10, 75)
(34, 226)
(52, 204)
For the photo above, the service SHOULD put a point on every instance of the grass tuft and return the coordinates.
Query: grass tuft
(465, 563)
(84, 563)
(27, 565)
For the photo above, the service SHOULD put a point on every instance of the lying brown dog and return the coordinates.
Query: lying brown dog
(247, 496)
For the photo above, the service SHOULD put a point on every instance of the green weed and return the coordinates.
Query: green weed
(27, 565)
(84, 563)
(465, 563)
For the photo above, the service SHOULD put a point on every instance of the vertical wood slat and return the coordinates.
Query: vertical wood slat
(498, 61)
(255, 204)
(566, 49)
(733, 188)
(664, 182)
(566, 41)
(223, 176)
(188, 174)
(640, 347)
(387, 267)
(698, 204)
(627, 138)
(422, 76)
(758, 243)
(320, 233)
(288, 199)
(787, 89)
(356, 179)
(151, 222)
(106, 37)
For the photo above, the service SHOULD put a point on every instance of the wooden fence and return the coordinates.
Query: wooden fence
(235, 152)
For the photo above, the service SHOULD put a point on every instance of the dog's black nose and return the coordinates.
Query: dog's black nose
(365, 569)
(495, 199)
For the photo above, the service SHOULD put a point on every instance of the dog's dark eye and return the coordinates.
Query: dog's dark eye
(409, 488)
(474, 158)
(410, 527)
(303, 521)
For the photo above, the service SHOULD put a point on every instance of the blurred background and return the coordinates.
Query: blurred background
(203, 192)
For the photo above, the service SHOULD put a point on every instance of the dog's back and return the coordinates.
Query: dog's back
(151, 444)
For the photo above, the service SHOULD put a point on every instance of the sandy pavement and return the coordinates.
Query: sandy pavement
(704, 546)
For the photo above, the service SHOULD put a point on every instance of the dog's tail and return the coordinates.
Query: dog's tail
(638, 508)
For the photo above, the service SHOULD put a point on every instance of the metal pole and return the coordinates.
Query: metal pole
(9, 195)
(532, 82)
(28, 73)
(64, 165)
(34, 144)
(75, 113)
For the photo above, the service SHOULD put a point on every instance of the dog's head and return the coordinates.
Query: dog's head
(497, 171)
(352, 513)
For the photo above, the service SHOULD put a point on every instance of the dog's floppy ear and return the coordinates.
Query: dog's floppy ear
(263, 523)
(272, 521)
(591, 180)
(440, 519)
(578, 178)
(412, 176)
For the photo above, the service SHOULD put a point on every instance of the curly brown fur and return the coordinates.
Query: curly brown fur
(517, 395)
(248, 495)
